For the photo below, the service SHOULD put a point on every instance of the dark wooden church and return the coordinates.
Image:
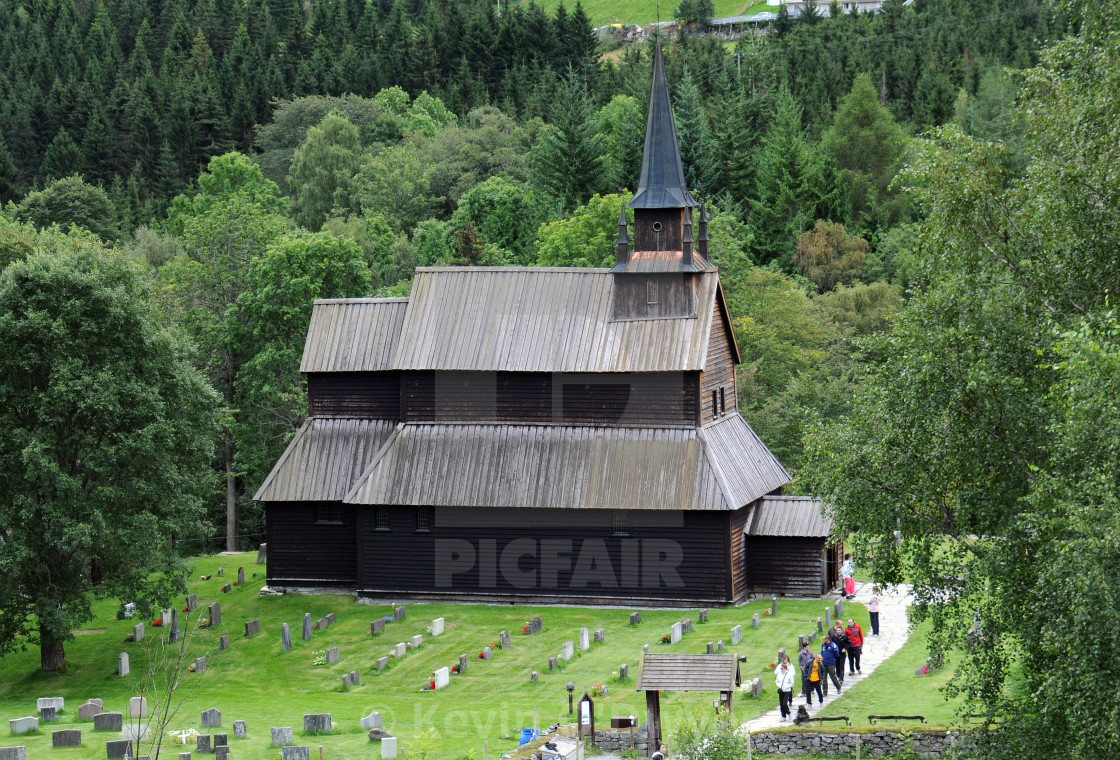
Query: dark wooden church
(543, 434)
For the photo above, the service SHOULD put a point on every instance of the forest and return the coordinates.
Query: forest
(914, 213)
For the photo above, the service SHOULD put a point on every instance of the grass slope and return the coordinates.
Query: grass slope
(255, 681)
(644, 12)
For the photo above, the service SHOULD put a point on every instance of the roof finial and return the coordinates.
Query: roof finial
(623, 237)
(686, 237)
(702, 240)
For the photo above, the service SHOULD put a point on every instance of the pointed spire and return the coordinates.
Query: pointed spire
(702, 240)
(662, 184)
(623, 237)
(686, 237)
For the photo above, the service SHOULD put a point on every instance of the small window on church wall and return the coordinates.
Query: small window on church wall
(328, 513)
(424, 518)
(383, 518)
(620, 526)
(715, 405)
(651, 292)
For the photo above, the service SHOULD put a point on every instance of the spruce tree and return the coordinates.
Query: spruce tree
(61, 159)
(567, 159)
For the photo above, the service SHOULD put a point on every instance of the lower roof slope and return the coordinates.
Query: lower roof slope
(688, 672)
(788, 516)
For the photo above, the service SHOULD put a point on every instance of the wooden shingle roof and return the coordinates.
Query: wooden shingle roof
(353, 334)
(688, 672)
(789, 516)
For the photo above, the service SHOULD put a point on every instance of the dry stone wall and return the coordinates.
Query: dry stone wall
(927, 744)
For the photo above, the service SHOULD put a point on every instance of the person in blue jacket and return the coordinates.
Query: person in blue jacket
(830, 655)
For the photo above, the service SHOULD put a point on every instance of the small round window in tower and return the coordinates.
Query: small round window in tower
(657, 226)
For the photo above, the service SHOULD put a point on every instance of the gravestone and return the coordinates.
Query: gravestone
(138, 632)
(346, 680)
(285, 637)
(711, 647)
(645, 648)
(221, 752)
(17, 726)
(463, 660)
(47, 715)
(398, 613)
(536, 625)
(373, 720)
(703, 616)
(820, 626)
(686, 627)
(400, 649)
(58, 703)
(215, 613)
(108, 721)
(202, 743)
(138, 707)
(221, 571)
(281, 736)
(802, 640)
(534, 676)
(184, 756)
(165, 617)
(134, 732)
(503, 639)
(173, 634)
(122, 664)
(382, 663)
(319, 723)
(736, 635)
(827, 618)
(568, 650)
(200, 665)
(487, 653)
(221, 740)
(89, 709)
(307, 626)
(240, 576)
(262, 554)
(295, 753)
(332, 618)
(754, 620)
(13, 753)
(624, 671)
(118, 748)
(442, 678)
(378, 626)
(355, 678)
(252, 628)
(223, 642)
(840, 608)
(719, 645)
(416, 641)
(192, 602)
(600, 635)
(377, 734)
(756, 687)
(812, 638)
(389, 748)
(605, 691)
(323, 624)
(635, 618)
(781, 654)
(332, 655)
(773, 606)
(553, 663)
(674, 633)
(212, 718)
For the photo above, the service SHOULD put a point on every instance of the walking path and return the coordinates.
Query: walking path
(894, 630)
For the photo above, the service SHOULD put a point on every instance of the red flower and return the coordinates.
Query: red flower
(184, 609)
(524, 629)
(157, 623)
(482, 655)
(433, 685)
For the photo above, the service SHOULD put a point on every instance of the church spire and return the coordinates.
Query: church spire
(662, 184)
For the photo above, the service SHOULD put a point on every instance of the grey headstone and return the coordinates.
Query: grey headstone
(503, 639)
(221, 571)
(173, 634)
(373, 720)
(13, 753)
(802, 640)
(295, 753)
(319, 723)
(773, 606)
(703, 616)
(281, 737)
(781, 654)
(606, 692)
(389, 748)
(252, 628)
(399, 650)
(355, 677)
(623, 671)
(600, 635)
(827, 617)
(674, 633)
(736, 635)
(635, 618)
(108, 721)
(69, 737)
(215, 613)
(839, 608)
(416, 641)
(307, 626)
(118, 748)
(19, 726)
(382, 663)
(202, 743)
(138, 632)
(332, 655)
(89, 709)
(165, 618)
(754, 620)
(346, 680)
(223, 642)
(138, 707)
(262, 554)
(568, 650)
(711, 647)
(323, 624)
(534, 676)
(239, 729)
(719, 645)
(221, 740)
(192, 602)
(212, 718)
(756, 687)
(332, 618)
(377, 734)
(487, 653)
(399, 613)
(58, 703)
(553, 663)
(536, 625)
(645, 648)
(240, 576)
(122, 664)
(221, 752)
(376, 627)
(200, 665)
(285, 637)
(184, 756)
(686, 626)
(47, 715)
(463, 660)
(813, 638)
(820, 626)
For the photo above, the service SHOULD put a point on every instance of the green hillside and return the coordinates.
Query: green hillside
(644, 12)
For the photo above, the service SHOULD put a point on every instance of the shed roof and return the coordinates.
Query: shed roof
(655, 262)
(688, 672)
(568, 467)
(353, 334)
(324, 459)
(789, 516)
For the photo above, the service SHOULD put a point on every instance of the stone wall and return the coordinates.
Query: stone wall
(929, 744)
(618, 739)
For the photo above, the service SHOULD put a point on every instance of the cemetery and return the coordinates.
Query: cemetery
(267, 688)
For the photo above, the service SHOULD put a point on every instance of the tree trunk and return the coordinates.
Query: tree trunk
(52, 651)
(231, 497)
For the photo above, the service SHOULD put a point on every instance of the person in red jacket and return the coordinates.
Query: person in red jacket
(855, 646)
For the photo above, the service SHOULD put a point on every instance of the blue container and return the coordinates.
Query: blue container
(528, 735)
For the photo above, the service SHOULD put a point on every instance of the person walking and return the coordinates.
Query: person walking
(873, 610)
(814, 676)
(804, 660)
(829, 655)
(855, 646)
(840, 639)
(847, 572)
(783, 679)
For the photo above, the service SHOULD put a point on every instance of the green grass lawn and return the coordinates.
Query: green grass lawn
(644, 12)
(255, 681)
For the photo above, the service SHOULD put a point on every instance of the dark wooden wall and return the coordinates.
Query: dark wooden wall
(675, 296)
(719, 371)
(738, 552)
(405, 561)
(302, 551)
(790, 566)
(671, 221)
(365, 395)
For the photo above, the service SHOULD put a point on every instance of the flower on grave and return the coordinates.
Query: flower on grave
(315, 627)
(204, 623)
(771, 665)
(482, 655)
(157, 623)
(525, 629)
(598, 690)
(454, 670)
(432, 685)
(190, 668)
(666, 640)
(185, 610)
(765, 613)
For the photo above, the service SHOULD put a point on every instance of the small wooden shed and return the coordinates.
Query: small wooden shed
(684, 672)
(788, 550)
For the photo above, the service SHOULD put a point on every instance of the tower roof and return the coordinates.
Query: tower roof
(662, 183)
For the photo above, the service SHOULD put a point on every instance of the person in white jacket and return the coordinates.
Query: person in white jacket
(783, 678)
